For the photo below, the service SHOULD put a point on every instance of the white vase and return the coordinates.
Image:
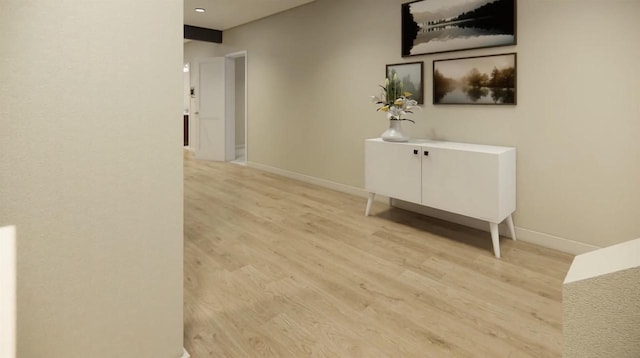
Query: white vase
(394, 133)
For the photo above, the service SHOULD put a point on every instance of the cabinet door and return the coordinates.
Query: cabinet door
(461, 182)
(393, 169)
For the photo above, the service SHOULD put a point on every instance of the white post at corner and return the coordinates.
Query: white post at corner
(8, 292)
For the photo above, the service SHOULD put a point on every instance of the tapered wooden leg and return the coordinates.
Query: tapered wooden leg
(369, 203)
(495, 237)
(512, 229)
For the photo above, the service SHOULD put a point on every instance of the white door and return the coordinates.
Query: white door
(210, 113)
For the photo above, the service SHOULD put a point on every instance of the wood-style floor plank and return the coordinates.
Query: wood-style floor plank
(275, 267)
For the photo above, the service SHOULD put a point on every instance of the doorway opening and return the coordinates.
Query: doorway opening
(219, 108)
(239, 83)
(186, 93)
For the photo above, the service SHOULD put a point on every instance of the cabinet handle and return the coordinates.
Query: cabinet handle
(415, 151)
(426, 152)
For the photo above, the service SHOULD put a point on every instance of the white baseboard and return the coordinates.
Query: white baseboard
(531, 236)
(447, 216)
(311, 180)
(554, 242)
(534, 237)
(185, 354)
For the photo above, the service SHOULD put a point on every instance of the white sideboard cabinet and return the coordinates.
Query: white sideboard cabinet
(473, 180)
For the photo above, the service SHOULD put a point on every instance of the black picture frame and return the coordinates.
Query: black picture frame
(428, 27)
(412, 76)
(478, 80)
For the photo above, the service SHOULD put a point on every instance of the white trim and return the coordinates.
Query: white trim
(185, 354)
(614, 258)
(534, 237)
(8, 292)
(447, 216)
(236, 54)
(246, 107)
(311, 180)
(242, 161)
(554, 242)
(244, 54)
(230, 108)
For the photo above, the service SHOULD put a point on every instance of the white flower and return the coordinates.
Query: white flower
(394, 101)
(395, 112)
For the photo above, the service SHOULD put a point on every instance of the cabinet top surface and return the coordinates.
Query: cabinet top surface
(448, 145)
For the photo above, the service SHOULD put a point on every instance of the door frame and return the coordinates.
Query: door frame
(212, 122)
(231, 98)
(186, 70)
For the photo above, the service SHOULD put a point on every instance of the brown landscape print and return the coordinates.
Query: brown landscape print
(475, 80)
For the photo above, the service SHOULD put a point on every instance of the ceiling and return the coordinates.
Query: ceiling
(225, 14)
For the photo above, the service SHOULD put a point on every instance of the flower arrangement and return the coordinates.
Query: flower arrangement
(394, 101)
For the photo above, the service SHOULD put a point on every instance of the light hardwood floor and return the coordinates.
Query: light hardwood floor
(279, 268)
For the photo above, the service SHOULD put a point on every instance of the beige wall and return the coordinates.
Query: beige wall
(194, 49)
(576, 124)
(91, 174)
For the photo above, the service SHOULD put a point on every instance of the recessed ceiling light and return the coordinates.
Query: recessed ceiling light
(199, 9)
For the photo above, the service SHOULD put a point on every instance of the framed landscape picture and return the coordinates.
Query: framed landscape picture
(411, 75)
(432, 26)
(475, 80)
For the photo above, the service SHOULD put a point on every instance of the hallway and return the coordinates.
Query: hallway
(280, 268)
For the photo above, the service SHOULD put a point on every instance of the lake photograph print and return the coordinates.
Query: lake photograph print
(432, 26)
(475, 80)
